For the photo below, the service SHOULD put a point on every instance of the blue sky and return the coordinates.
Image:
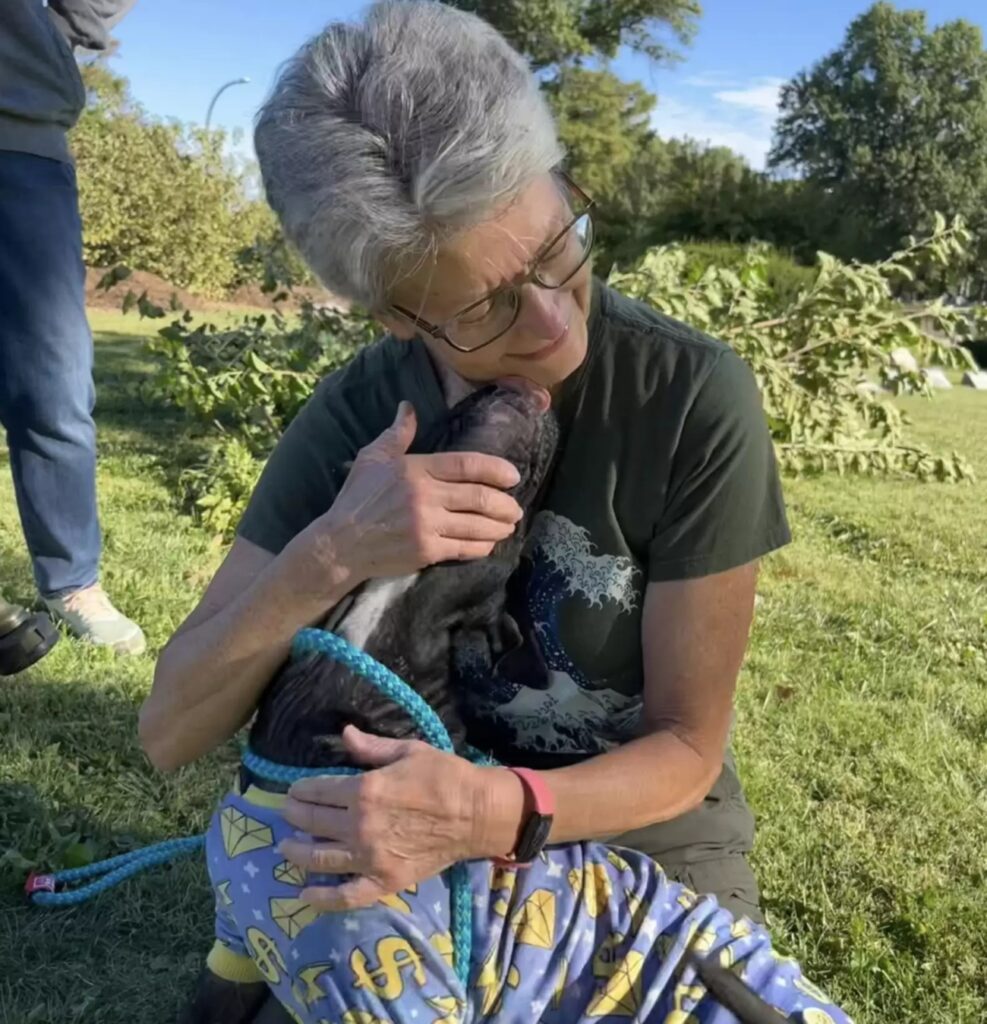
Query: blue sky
(178, 52)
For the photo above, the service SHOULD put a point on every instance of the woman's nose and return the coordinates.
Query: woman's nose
(541, 314)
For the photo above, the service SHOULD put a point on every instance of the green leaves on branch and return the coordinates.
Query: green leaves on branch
(241, 386)
(251, 379)
(814, 354)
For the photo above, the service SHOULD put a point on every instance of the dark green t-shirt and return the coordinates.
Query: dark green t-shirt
(666, 472)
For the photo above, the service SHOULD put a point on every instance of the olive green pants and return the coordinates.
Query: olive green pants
(706, 848)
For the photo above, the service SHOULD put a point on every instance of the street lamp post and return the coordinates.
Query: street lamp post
(218, 93)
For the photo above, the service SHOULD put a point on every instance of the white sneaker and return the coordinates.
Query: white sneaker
(89, 615)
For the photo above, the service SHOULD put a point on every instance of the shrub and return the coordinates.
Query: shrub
(811, 355)
(783, 276)
(809, 342)
(241, 386)
(160, 196)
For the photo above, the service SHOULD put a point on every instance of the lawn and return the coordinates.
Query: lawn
(861, 737)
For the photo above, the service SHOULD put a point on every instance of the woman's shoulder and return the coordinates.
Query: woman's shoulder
(369, 386)
(640, 349)
(635, 325)
(382, 365)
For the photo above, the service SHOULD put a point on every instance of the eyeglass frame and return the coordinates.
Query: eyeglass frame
(437, 331)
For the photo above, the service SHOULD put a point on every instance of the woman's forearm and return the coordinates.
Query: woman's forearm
(654, 778)
(210, 676)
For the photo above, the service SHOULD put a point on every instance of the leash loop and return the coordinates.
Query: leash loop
(50, 890)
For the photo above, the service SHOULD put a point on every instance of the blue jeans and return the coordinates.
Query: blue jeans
(46, 358)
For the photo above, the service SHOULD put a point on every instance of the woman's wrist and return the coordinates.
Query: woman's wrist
(322, 565)
(498, 817)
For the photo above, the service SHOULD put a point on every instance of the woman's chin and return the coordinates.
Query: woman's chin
(551, 372)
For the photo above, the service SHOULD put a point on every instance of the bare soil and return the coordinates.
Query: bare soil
(160, 292)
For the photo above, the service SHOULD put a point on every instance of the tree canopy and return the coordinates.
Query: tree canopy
(551, 32)
(893, 123)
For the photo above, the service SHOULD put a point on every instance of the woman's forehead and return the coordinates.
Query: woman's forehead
(488, 256)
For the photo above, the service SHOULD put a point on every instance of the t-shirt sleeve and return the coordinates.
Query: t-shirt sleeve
(303, 474)
(724, 505)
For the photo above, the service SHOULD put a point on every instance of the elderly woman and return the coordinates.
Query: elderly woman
(414, 163)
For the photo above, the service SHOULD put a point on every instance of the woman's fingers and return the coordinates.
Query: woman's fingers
(479, 499)
(318, 858)
(472, 467)
(353, 895)
(464, 526)
(317, 819)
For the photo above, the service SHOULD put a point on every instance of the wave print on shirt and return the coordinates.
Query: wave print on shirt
(569, 714)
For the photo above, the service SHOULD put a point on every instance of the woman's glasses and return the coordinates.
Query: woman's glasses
(491, 317)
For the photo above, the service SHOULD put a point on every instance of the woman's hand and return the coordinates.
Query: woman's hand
(397, 513)
(418, 812)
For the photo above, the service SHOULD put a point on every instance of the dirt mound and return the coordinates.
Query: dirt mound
(160, 292)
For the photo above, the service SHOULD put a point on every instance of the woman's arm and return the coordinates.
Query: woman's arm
(394, 514)
(210, 675)
(694, 634)
(424, 810)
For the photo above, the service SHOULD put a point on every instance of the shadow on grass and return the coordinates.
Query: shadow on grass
(132, 421)
(74, 778)
(121, 371)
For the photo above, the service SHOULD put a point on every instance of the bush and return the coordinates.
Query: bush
(783, 276)
(811, 355)
(241, 386)
(162, 197)
(810, 336)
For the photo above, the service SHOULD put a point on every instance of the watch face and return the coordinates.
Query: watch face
(534, 837)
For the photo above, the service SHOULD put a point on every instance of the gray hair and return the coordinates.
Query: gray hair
(381, 139)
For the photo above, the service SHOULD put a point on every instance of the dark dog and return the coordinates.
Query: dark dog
(409, 624)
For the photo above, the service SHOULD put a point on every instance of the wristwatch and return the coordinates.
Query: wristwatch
(539, 805)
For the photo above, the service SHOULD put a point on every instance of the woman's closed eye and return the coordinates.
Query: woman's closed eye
(481, 313)
(557, 250)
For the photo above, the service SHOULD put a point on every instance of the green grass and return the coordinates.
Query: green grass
(861, 736)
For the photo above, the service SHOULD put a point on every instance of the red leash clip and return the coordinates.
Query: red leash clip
(39, 883)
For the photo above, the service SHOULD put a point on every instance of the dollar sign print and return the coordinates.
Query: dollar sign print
(266, 955)
(394, 955)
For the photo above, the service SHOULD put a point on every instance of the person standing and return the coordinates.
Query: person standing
(47, 393)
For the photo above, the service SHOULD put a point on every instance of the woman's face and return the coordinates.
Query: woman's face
(548, 340)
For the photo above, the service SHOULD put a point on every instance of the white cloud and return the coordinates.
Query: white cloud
(674, 119)
(721, 111)
(760, 98)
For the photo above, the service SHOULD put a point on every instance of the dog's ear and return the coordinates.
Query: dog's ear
(507, 637)
(519, 657)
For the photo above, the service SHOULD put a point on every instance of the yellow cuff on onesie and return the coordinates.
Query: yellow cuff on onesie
(230, 966)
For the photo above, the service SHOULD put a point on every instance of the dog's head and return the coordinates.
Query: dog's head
(512, 422)
(307, 704)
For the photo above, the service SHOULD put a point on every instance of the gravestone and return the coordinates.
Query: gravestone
(971, 379)
(937, 378)
(904, 360)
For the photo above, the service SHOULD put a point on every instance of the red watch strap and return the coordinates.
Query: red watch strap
(541, 795)
(540, 799)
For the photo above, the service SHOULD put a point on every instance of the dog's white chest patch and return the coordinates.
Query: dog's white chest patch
(370, 606)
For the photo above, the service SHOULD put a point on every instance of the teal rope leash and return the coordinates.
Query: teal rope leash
(41, 888)
(106, 873)
(320, 641)
(311, 641)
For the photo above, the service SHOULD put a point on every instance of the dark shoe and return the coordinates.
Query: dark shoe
(25, 638)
